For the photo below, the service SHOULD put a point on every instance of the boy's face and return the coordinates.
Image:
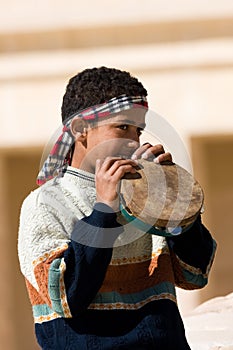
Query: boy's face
(113, 137)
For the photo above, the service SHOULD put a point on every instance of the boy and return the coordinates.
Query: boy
(88, 290)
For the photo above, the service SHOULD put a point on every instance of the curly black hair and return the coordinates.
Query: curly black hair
(98, 85)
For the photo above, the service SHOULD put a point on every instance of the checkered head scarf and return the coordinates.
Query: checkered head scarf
(60, 155)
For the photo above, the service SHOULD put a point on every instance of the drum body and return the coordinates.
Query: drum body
(164, 197)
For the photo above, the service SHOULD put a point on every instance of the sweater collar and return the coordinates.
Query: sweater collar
(80, 176)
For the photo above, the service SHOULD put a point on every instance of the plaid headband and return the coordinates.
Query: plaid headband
(59, 157)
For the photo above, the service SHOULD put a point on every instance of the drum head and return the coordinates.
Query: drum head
(161, 195)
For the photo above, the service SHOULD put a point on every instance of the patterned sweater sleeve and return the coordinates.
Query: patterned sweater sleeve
(192, 255)
(61, 274)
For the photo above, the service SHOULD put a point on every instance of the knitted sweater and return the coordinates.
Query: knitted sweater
(86, 294)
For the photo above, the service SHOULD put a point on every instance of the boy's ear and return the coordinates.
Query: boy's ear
(78, 128)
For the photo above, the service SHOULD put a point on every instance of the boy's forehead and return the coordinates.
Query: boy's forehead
(133, 116)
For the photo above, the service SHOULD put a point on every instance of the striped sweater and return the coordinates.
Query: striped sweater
(86, 294)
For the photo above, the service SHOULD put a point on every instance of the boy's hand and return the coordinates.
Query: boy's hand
(154, 153)
(108, 174)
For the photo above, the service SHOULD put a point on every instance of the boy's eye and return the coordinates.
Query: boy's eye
(126, 127)
(123, 126)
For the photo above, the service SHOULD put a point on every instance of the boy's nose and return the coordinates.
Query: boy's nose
(134, 135)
